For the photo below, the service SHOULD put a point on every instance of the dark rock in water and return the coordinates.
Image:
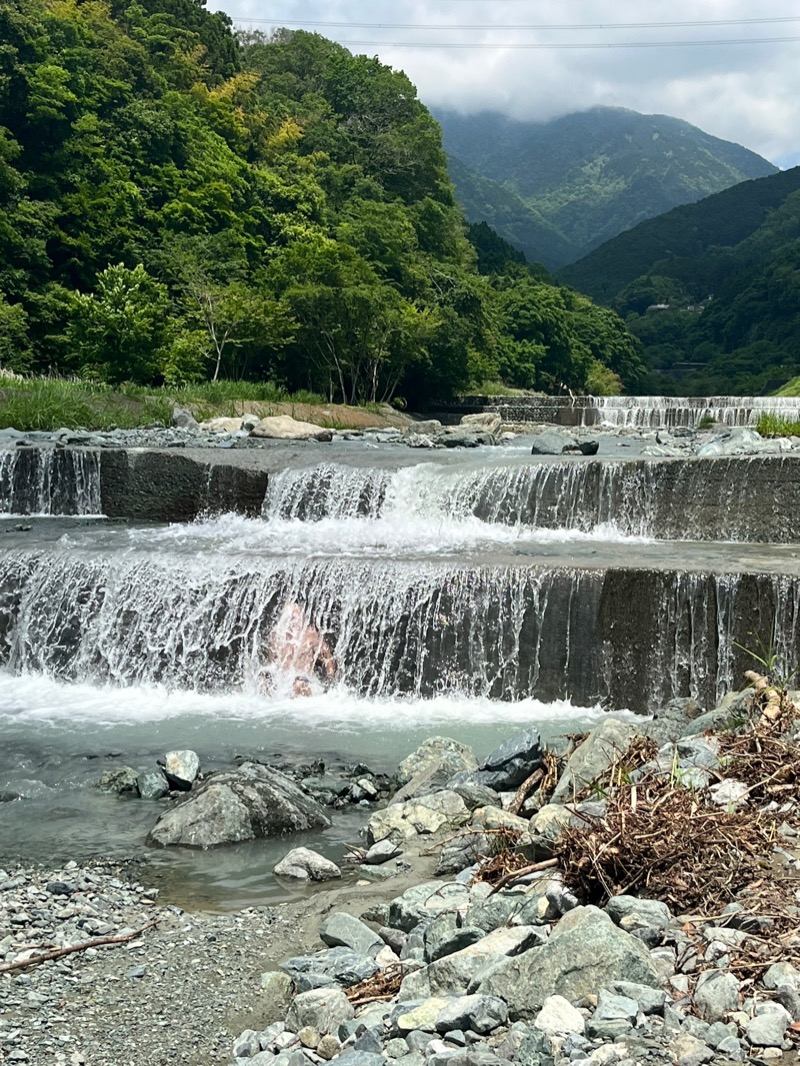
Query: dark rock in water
(123, 780)
(152, 785)
(253, 801)
(588, 447)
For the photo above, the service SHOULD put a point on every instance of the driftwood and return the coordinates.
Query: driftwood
(515, 875)
(57, 953)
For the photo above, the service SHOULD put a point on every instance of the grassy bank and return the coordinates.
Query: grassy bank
(53, 403)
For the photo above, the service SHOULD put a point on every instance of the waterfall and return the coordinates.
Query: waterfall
(629, 637)
(653, 412)
(722, 499)
(49, 481)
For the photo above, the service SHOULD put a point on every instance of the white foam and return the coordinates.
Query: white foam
(31, 700)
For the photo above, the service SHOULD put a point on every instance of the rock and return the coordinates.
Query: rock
(360, 1058)
(479, 1014)
(768, 1028)
(343, 930)
(559, 1016)
(425, 901)
(519, 905)
(588, 447)
(716, 995)
(253, 801)
(444, 936)
(328, 1047)
(671, 721)
(322, 1008)
(432, 779)
(123, 780)
(276, 995)
(687, 1050)
(183, 419)
(488, 421)
(585, 952)
(221, 425)
(462, 851)
(494, 818)
(474, 794)
(515, 760)
(649, 1000)
(730, 712)
(181, 769)
(425, 427)
(283, 427)
(729, 793)
(594, 756)
(423, 816)
(547, 823)
(463, 437)
(453, 973)
(408, 1017)
(339, 965)
(553, 442)
(782, 973)
(152, 785)
(437, 750)
(614, 1015)
(303, 864)
(246, 1044)
(650, 912)
(382, 851)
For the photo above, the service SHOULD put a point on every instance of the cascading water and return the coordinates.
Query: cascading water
(49, 481)
(609, 499)
(654, 412)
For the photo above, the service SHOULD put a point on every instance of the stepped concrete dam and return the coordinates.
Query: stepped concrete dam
(458, 591)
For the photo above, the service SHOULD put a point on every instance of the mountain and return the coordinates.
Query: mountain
(589, 175)
(711, 288)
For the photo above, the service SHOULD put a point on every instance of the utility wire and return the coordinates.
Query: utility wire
(556, 46)
(689, 24)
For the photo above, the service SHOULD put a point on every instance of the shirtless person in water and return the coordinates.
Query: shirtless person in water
(297, 649)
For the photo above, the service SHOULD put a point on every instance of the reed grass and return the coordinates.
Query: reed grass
(770, 425)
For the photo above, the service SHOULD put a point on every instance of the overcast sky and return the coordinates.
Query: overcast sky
(744, 92)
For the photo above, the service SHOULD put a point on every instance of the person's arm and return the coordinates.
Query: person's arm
(327, 660)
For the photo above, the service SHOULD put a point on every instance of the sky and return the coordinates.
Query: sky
(744, 92)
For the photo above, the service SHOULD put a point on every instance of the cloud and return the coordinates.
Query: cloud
(743, 92)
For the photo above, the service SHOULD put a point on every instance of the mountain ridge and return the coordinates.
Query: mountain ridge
(589, 175)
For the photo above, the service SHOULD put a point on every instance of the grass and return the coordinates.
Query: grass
(770, 425)
(56, 403)
(495, 388)
(791, 388)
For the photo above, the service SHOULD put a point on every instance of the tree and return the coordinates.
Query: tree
(121, 331)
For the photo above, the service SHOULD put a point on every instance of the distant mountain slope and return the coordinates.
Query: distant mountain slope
(485, 200)
(593, 174)
(712, 289)
(723, 220)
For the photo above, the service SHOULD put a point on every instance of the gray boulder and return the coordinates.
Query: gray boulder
(424, 902)
(769, 1026)
(453, 974)
(553, 442)
(181, 769)
(303, 864)
(585, 952)
(343, 930)
(437, 750)
(184, 419)
(650, 913)
(423, 816)
(325, 1009)
(462, 851)
(603, 746)
(559, 1016)
(382, 851)
(480, 1014)
(253, 801)
(716, 995)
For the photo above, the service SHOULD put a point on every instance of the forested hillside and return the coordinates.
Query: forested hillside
(177, 204)
(722, 280)
(586, 176)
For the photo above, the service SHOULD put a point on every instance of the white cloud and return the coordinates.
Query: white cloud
(746, 93)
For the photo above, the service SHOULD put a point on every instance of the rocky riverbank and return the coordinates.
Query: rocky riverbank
(631, 899)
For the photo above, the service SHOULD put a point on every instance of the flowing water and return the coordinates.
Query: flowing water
(465, 595)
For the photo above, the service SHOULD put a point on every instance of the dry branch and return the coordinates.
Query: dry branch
(57, 953)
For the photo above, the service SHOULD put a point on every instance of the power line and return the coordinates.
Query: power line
(689, 24)
(556, 46)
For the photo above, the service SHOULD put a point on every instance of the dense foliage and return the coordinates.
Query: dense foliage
(178, 204)
(721, 280)
(558, 189)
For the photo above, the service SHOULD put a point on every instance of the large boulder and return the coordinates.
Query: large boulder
(603, 746)
(303, 864)
(437, 751)
(283, 427)
(253, 801)
(585, 952)
(423, 816)
(514, 760)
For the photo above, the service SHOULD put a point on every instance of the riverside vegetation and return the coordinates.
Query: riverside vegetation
(178, 203)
